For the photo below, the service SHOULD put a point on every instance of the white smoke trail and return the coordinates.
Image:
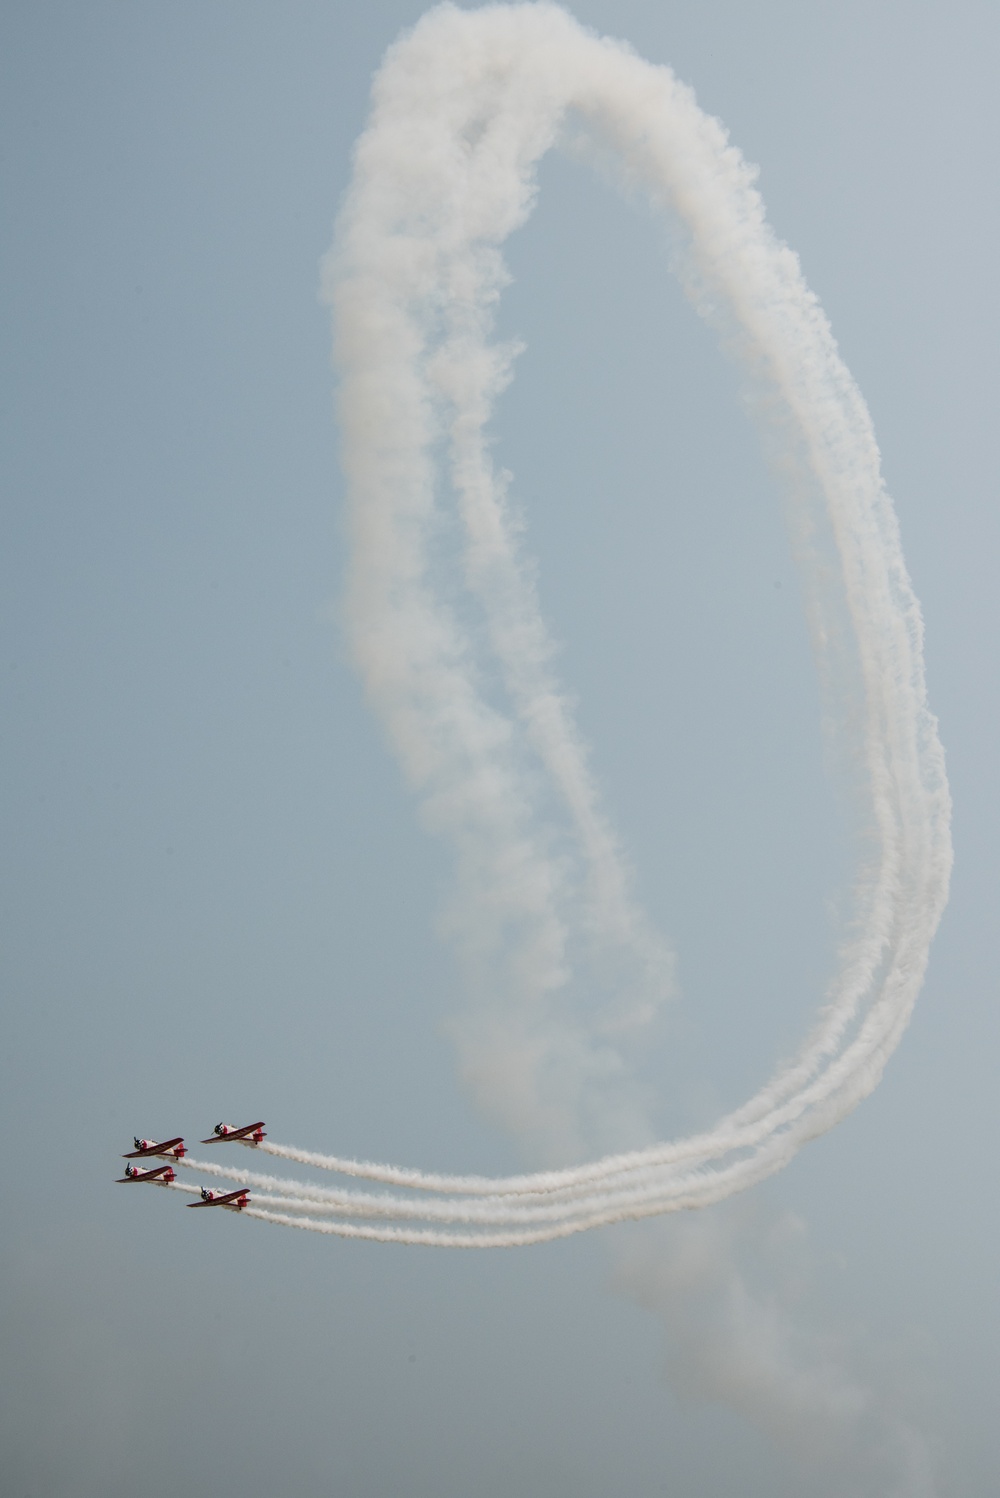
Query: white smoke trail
(464, 107)
(456, 661)
(510, 1237)
(612, 1204)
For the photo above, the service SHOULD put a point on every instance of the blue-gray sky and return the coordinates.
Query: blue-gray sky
(217, 901)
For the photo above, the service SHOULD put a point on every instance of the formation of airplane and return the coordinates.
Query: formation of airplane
(249, 1134)
(174, 1150)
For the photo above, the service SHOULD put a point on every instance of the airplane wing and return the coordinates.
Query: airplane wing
(230, 1198)
(155, 1175)
(235, 1134)
(167, 1147)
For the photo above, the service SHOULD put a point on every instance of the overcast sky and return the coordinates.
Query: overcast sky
(217, 898)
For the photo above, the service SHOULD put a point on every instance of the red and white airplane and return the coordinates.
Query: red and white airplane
(170, 1149)
(249, 1134)
(160, 1175)
(234, 1200)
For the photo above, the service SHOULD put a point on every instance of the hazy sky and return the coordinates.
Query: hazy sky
(217, 900)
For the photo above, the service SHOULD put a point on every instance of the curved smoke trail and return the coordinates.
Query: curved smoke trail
(558, 953)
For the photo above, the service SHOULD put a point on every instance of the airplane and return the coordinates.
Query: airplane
(170, 1149)
(160, 1175)
(234, 1200)
(249, 1134)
